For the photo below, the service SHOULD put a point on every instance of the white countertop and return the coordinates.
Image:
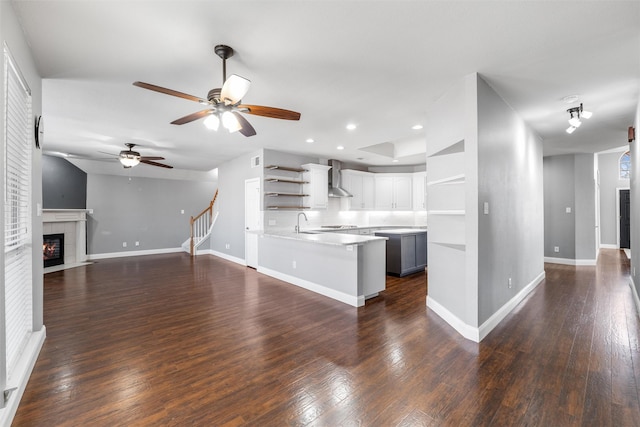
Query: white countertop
(324, 238)
(402, 231)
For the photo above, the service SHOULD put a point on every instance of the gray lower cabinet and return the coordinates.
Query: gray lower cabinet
(406, 251)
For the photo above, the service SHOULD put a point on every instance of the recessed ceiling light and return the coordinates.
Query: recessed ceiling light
(416, 127)
(310, 140)
(570, 99)
(351, 126)
(395, 160)
(340, 147)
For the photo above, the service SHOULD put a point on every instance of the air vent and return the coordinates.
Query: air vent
(255, 161)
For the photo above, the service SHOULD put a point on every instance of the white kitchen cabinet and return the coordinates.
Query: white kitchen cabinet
(362, 186)
(317, 187)
(393, 192)
(419, 191)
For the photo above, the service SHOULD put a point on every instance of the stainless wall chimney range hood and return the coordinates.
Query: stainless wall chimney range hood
(335, 180)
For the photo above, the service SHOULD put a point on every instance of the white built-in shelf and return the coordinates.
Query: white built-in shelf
(280, 179)
(285, 168)
(278, 194)
(450, 180)
(457, 147)
(456, 246)
(275, 208)
(446, 212)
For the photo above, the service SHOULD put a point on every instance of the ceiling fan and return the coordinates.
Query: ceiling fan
(130, 158)
(224, 104)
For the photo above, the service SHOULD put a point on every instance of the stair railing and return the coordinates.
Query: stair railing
(200, 225)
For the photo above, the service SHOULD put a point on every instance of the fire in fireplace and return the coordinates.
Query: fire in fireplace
(53, 249)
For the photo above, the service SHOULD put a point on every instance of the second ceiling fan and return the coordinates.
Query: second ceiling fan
(224, 104)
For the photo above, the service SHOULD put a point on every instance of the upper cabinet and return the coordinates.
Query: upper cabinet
(393, 192)
(362, 186)
(317, 186)
(420, 191)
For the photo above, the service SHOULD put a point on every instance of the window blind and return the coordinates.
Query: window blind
(17, 213)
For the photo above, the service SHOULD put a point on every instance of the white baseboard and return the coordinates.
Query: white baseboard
(223, 256)
(478, 334)
(467, 331)
(94, 257)
(567, 261)
(503, 311)
(634, 291)
(355, 301)
(608, 246)
(22, 374)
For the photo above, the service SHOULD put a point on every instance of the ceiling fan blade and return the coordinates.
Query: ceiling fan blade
(276, 113)
(234, 89)
(151, 158)
(149, 162)
(191, 117)
(170, 92)
(246, 129)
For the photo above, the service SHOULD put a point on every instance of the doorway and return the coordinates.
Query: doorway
(624, 215)
(252, 222)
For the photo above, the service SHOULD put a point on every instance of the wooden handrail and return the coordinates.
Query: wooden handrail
(201, 223)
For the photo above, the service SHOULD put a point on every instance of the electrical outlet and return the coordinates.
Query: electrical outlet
(181, 211)
(556, 249)
(227, 246)
(124, 244)
(294, 265)
(510, 284)
(137, 243)
(568, 210)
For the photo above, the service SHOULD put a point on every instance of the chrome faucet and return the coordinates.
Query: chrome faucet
(305, 218)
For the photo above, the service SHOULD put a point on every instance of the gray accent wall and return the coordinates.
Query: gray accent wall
(146, 210)
(559, 193)
(610, 182)
(570, 183)
(64, 186)
(510, 236)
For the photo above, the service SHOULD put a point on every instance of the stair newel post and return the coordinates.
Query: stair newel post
(191, 239)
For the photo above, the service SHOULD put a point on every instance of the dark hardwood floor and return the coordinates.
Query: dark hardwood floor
(169, 341)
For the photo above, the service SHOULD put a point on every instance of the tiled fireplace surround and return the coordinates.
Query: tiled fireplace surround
(71, 222)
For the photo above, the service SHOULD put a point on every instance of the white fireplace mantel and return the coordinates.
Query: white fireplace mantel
(71, 222)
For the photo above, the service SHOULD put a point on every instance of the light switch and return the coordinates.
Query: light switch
(568, 210)
(486, 208)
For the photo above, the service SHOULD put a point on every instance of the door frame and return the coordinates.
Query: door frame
(618, 190)
(251, 238)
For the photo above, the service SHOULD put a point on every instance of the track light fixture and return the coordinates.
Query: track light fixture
(575, 113)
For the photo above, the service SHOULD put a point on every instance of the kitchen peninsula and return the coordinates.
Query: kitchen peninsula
(346, 267)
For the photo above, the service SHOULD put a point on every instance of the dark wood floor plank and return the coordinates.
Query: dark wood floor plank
(171, 340)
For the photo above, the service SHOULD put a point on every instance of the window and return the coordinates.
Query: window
(625, 166)
(17, 214)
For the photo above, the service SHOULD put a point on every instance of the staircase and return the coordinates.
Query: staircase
(201, 226)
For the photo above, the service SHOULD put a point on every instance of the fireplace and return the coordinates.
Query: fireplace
(53, 249)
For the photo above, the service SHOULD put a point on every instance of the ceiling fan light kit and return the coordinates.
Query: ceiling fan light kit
(575, 113)
(129, 158)
(224, 103)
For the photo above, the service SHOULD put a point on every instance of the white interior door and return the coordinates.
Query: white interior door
(252, 221)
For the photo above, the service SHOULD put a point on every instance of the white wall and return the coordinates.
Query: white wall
(610, 182)
(472, 261)
(635, 209)
(12, 35)
(510, 237)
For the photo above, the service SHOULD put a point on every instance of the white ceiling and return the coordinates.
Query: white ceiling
(378, 64)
